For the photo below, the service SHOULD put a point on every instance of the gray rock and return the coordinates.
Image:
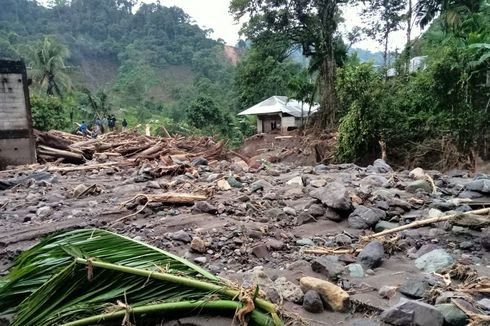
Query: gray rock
(274, 244)
(343, 239)
(453, 316)
(480, 185)
(288, 290)
(312, 302)
(434, 260)
(484, 303)
(204, 207)
(387, 292)
(199, 161)
(332, 215)
(355, 270)
(293, 192)
(316, 210)
(304, 218)
(213, 177)
(274, 214)
(181, 235)
(465, 245)
(372, 255)
(380, 166)
(424, 185)
(364, 217)
(318, 183)
(289, 211)
(260, 251)
(201, 260)
(305, 242)
(470, 194)
(296, 181)
(328, 266)
(234, 182)
(333, 195)
(414, 287)
(374, 181)
(44, 211)
(321, 168)
(385, 225)
(428, 247)
(413, 313)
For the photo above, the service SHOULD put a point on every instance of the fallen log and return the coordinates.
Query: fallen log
(88, 167)
(59, 153)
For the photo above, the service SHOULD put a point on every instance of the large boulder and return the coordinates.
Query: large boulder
(365, 217)
(479, 185)
(333, 195)
(380, 166)
(372, 255)
(413, 313)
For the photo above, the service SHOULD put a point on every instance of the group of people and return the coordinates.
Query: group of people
(98, 126)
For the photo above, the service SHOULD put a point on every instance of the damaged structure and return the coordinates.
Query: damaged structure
(16, 137)
(280, 113)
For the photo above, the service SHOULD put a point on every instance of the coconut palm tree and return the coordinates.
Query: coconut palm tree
(47, 63)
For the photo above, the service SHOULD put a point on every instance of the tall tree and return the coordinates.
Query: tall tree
(310, 24)
(385, 17)
(47, 61)
(451, 10)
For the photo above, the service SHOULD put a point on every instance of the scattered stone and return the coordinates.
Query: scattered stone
(466, 245)
(181, 235)
(424, 185)
(480, 185)
(304, 218)
(328, 266)
(333, 195)
(305, 242)
(380, 166)
(453, 316)
(199, 245)
(204, 207)
(332, 215)
(415, 313)
(233, 182)
(289, 211)
(485, 238)
(434, 260)
(44, 211)
(318, 183)
(296, 181)
(223, 185)
(201, 260)
(364, 217)
(336, 298)
(321, 168)
(417, 174)
(343, 239)
(385, 225)
(355, 270)
(484, 303)
(373, 181)
(288, 290)
(312, 302)
(387, 292)
(274, 244)
(199, 161)
(371, 256)
(316, 210)
(414, 287)
(260, 251)
(364, 322)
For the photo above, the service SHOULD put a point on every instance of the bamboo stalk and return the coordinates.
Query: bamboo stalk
(428, 221)
(189, 282)
(232, 306)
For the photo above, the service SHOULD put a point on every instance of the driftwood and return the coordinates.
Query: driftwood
(168, 197)
(87, 167)
(455, 217)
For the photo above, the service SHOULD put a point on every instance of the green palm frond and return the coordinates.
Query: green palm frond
(78, 277)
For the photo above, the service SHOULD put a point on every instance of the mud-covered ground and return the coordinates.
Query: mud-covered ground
(258, 225)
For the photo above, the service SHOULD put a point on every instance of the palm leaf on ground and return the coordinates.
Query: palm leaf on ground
(77, 277)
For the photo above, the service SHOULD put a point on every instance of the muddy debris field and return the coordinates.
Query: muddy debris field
(330, 244)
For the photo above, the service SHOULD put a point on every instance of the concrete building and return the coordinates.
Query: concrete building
(279, 112)
(17, 144)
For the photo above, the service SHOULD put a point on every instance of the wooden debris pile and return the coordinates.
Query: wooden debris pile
(58, 146)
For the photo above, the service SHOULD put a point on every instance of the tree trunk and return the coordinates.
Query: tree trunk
(327, 11)
(408, 46)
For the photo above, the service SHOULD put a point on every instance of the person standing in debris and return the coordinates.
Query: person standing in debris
(113, 122)
(83, 128)
(110, 123)
(96, 130)
(124, 125)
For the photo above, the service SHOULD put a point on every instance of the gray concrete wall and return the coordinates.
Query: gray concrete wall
(16, 140)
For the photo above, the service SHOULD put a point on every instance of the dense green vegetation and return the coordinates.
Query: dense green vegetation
(150, 63)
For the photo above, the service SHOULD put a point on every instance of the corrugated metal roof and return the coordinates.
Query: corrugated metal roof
(280, 104)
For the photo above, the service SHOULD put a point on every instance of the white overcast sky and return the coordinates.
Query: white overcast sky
(214, 14)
